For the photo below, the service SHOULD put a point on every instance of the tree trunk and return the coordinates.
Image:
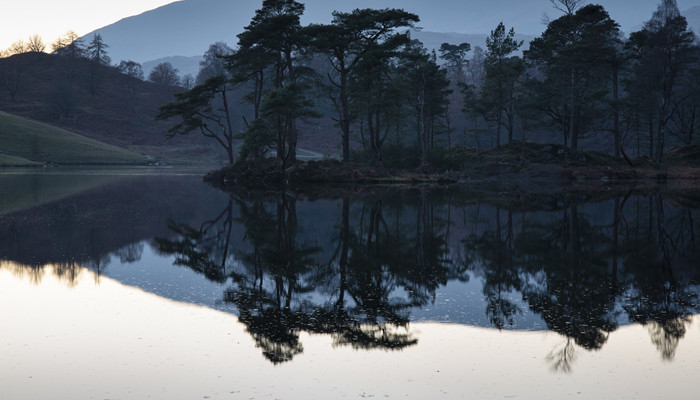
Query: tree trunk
(651, 135)
(616, 116)
(424, 140)
(511, 119)
(345, 116)
(499, 118)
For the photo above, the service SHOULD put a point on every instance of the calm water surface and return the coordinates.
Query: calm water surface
(134, 286)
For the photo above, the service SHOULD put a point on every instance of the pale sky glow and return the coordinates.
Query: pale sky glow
(51, 19)
(109, 340)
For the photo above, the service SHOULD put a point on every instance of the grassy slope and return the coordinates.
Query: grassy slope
(35, 141)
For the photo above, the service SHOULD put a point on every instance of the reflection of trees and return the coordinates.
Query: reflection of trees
(575, 298)
(663, 252)
(496, 256)
(130, 253)
(387, 259)
(283, 268)
(205, 249)
(557, 265)
(583, 268)
(267, 309)
(562, 357)
(580, 276)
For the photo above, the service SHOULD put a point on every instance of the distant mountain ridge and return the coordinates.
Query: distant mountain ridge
(188, 27)
(431, 41)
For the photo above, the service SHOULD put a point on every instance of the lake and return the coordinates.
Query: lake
(150, 284)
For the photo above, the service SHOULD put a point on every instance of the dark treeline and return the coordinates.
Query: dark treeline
(581, 83)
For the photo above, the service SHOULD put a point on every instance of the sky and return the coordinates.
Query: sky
(50, 19)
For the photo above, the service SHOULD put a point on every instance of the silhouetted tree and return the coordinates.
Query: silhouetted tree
(164, 74)
(572, 55)
(426, 88)
(197, 110)
(455, 57)
(376, 89)
(663, 51)
(273, 40)
(346, 41)
(97, 50)
(502, 73)
(97, 53)
(213, 62)
(133, 75)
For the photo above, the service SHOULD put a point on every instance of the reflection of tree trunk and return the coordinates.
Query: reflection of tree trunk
(375, 219)
(422, 229)
(343, 264)
(509, 241)
(651, 135)
(575, 239)
(692, 229)
(228, 225)
(498, 223)
(290, 243)
(573, 123)
(449, 222)
(650, 230)
(615, 243)
(285, 245)
(663, 236)
(563, 235)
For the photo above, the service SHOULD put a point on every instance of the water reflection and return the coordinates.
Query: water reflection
(362, 267)
(584, 268)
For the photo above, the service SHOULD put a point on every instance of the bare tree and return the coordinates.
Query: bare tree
(212, 63)
(36, 44)
(131, 69)
(188, 81)
(568, 7)
(164, 74)
(133, 75)
(18, 47)
(69, 45)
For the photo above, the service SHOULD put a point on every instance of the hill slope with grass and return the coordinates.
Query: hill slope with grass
(23, 140)
(97, 102)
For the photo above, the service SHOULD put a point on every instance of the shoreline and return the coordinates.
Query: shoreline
(511, 166)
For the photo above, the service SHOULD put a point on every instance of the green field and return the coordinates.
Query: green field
(38, 142)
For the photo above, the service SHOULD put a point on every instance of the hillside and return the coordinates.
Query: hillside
(94, 101)
(22, 139)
